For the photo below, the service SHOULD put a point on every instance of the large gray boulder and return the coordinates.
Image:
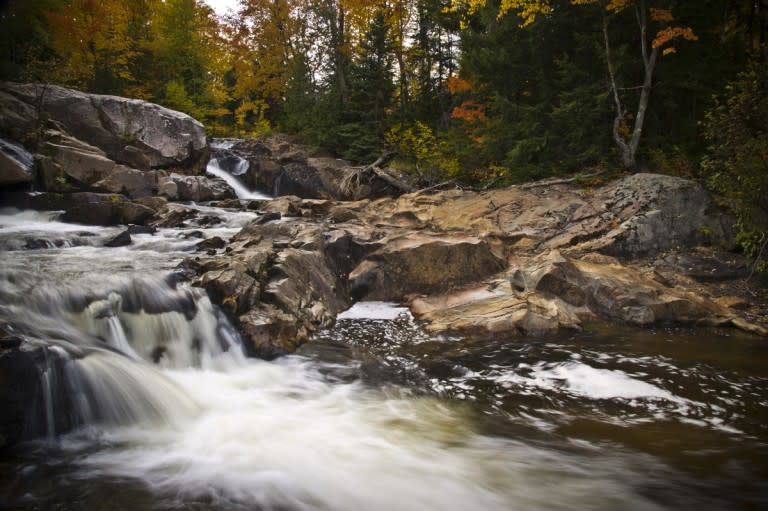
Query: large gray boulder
(132, 132)
(68, 164)
(659, 212)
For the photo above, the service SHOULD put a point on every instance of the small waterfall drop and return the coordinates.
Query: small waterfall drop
(241, 167)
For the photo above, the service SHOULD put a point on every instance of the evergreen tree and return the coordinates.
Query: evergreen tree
(363, 119)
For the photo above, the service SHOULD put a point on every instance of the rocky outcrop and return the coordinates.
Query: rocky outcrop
(130, 132)
(102, 144)
(276, 282)
(422, 263)
(193, 188)
(92, 208)
(550, 292)
(522, 260)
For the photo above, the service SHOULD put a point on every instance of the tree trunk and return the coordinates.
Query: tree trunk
(628, 148)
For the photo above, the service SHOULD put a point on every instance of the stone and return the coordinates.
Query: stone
(211, 243)
(24, 415)
(131, 132)
(130, 182)
(660, 212)
(121, 240)
(422, 263)
(193, 188)
(551, 292)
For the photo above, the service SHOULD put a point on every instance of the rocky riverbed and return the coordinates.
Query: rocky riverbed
(645, 250)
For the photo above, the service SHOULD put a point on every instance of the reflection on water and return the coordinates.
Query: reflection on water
(374, 414)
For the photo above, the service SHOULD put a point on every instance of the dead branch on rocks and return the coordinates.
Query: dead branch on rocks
(558, 181)
(354, 177)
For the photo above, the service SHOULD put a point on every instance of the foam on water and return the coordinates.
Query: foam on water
(279, 436)
(584, 380)
(240, 189)
(373, 310)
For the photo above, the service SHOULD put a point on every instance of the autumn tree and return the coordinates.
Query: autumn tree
(96, 44)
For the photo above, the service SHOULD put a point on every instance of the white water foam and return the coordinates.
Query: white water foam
(584, 380)
(373, 310)
(278, 436)
(241, 190)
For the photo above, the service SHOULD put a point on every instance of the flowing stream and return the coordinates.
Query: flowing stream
(372, 415)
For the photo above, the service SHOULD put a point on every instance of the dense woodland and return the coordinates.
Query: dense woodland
(478, 91)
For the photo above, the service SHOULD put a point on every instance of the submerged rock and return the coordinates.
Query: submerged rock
(121, 240)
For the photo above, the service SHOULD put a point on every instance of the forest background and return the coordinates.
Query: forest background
(481, 92)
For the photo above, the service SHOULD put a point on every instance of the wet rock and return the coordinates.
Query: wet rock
(211, 243)
(229, 204)
(268, 217)
(16, 164)
(88, 208)
(36, 244)
(276, 282)
(193, 188)
(174, 215)
(142, 229)
(22, 398)
(121, 240)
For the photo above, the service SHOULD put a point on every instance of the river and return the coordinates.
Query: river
(372, 415)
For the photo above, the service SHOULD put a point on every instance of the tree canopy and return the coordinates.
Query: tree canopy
(476, 90)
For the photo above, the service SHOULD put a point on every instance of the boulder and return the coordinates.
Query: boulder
(89, 208)
(121, 240)
(193, 188)
(659, 212)
(276, 282)
(130, 182)
(211, 243)
(131, 132)
(422, 263)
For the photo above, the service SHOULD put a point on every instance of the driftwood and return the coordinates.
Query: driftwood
(558, 181)
(355, 176)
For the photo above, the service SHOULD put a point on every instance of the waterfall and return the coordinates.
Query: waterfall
(18, 153)
(241, 167)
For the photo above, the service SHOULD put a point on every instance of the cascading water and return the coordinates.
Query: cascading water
(239, 167)
(163, 410)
